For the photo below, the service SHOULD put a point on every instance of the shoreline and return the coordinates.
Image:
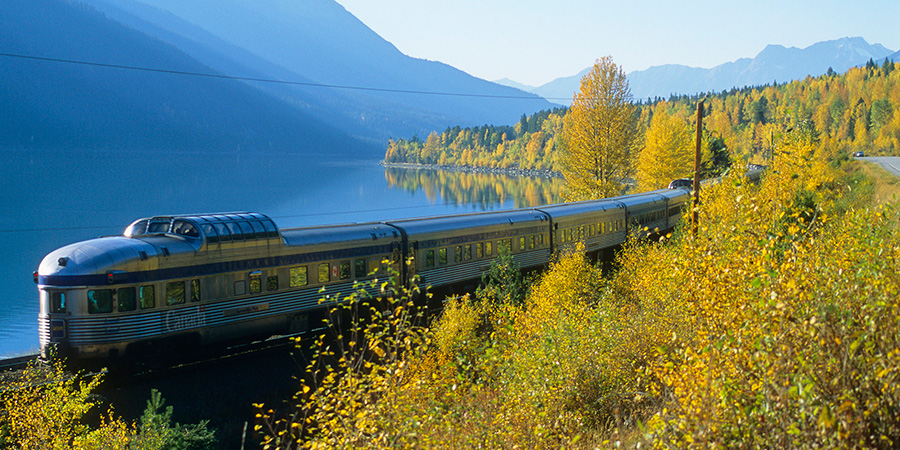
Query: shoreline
(532, 173)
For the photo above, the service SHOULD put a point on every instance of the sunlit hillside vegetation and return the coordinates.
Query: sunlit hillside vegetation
(859, 110)
(486, 190)
(774, 326)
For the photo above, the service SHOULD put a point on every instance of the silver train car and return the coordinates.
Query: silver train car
(174, 283)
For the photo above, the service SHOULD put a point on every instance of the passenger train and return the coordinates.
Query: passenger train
(188, 281)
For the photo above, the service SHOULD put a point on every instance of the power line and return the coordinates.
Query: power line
(268, 80)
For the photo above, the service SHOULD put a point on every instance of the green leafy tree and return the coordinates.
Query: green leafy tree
(600, 136)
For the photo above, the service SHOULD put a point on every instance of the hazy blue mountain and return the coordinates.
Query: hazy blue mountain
(894, 56)
(562, 89)
(319, 41)
(774, 63)
(514, 84)
(58, 105)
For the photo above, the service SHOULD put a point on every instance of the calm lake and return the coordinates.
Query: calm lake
(50, 199)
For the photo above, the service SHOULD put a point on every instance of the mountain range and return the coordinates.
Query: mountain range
(286, 75)
(775, 63)
(281, 75)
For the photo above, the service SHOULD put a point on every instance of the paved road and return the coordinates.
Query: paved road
(890, 163)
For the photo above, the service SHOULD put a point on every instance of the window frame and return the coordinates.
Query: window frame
(172, 287)
(300, 271)
(119, 299)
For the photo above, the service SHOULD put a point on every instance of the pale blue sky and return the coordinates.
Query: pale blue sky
(534, 42)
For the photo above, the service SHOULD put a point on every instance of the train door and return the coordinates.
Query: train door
(54, 311)
(398, 266)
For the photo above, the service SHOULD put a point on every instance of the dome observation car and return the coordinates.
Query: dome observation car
(242, 226)
(681, 183)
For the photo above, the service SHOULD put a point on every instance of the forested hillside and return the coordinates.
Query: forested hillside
(854, 111)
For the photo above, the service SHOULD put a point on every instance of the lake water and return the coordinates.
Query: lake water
(50, 199)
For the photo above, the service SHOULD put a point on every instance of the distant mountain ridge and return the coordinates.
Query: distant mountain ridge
(773, 63)
(319, 41)
(378, 91)
(47, 104)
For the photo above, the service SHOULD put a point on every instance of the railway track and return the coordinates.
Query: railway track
(16, 363)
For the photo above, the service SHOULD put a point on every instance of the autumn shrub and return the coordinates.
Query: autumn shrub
(786, 333)
(774, 325)
(358, 381)
(46, 407)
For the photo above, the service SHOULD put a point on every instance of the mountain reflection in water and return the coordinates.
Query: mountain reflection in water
(486, 190)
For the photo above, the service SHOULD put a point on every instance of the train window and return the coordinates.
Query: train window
(137, 228)
(272, 283)
(298, 276)
(195, 290)
(531, 241)
(210, 231)
(223, 232)
(127, 300)
(458, 254)
(522, 243)
(468, 252)
(479, 250)
(175, 293)
(360, 267)
(581, 232)
(247, 230)
(240, 287)
(57, 302)
(442, 256)
(148, 296)
(100, 301)
(158, 227)
(271, 231)
(487, 249)
(258, 229)
(324, 273)
(185, 228)
(236, 233)
(541, 240)
(429, 258)
(255, 282)
(344, 270)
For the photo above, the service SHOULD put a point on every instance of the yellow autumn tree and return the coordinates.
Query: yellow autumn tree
(667, 152)
(600, 135)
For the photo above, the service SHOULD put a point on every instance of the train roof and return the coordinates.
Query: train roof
(586, 206)
(331, 234)
(469, 221)
(211, 227)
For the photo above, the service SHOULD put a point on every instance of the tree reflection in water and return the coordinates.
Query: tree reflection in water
(486, 190)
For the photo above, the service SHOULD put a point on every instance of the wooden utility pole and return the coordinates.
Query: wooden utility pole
(696, 203)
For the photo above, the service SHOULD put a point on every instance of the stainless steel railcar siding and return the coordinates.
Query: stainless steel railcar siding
(449, 232)
(597, 217)
(224, 315)
(646, 212)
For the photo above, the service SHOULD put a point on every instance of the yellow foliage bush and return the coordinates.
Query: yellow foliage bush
(776, 325)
